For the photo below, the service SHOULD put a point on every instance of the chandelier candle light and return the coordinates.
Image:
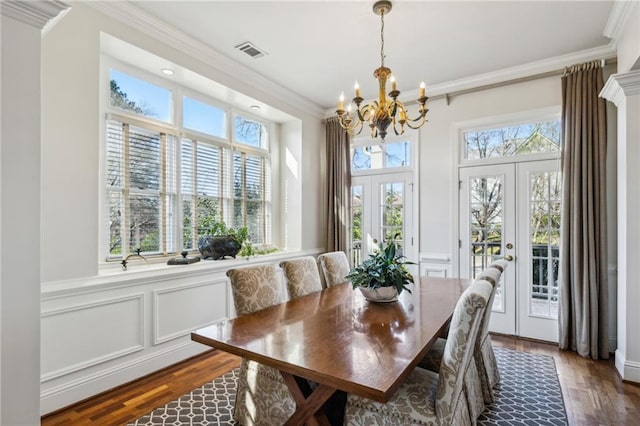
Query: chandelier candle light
(381, 113)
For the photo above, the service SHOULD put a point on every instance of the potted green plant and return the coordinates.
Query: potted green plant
(383, 276)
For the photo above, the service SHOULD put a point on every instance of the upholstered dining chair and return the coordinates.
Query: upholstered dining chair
(262, 397)
(302, 276)
(335, 266)
(426, 397)
(483, 375)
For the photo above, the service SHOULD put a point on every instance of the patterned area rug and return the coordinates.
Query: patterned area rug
(528, 394)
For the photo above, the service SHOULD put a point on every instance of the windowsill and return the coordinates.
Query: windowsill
(138, 273)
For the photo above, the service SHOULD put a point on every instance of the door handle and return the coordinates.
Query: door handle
(508, 258)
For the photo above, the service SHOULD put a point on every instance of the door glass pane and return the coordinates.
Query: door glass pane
(356, 224)
(544, 227)
(392, 213)
(486, 219)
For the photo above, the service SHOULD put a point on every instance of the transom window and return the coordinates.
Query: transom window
(167, 184)
(381, 156)
(512, 140)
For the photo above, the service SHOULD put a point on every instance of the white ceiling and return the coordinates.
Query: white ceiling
(319, 48)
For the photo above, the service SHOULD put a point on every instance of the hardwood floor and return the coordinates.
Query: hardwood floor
(593, 392)
(132, 400)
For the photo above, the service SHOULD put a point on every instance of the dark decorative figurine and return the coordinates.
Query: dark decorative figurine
(217, 247)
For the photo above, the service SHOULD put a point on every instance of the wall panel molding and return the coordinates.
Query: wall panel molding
(139, 327)
(214, 308)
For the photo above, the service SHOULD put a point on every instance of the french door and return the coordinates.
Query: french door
(513, 211)
(382, 210)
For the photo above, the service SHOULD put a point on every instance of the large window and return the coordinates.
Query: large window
(170, 177)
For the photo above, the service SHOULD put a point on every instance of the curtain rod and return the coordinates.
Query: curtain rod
(447, 96)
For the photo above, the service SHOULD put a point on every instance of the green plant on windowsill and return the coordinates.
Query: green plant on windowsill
(382, 269)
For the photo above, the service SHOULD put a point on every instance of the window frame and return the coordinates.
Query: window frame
(227, 147)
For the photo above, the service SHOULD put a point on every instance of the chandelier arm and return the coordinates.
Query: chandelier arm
(384, 112)
(422, 118)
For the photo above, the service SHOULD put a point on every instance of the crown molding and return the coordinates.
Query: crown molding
(532, 69)
(34, 13)
(618, 18)
(134, 17)
(548, 66)
(620, 86)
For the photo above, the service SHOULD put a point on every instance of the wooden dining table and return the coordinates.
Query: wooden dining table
(341, 341)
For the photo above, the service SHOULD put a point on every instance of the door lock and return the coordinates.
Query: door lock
(509, 245)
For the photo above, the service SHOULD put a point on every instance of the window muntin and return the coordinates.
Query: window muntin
(140, 97)
(250, 132)
(381, 156)
(136, 188)
(508, 141)
(166, 186)
(204, 118)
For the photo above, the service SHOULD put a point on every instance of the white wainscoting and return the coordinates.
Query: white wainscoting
(105, 331)
(117, 324)
(179, 310)
(435, 265)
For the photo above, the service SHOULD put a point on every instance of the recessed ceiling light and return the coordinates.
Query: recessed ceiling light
(167, 71)
(256, 107)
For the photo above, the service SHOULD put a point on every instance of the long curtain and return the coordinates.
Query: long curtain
(583, 265)
(338, 187)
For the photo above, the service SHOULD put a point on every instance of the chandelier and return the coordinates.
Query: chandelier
(386, 111)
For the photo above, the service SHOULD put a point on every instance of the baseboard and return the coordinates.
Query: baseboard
(69, 392)
(628, 370)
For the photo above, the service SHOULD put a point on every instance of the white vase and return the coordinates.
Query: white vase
(380, 294)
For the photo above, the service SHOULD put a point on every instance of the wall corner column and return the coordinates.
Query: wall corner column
(21, 25)
(623, 90)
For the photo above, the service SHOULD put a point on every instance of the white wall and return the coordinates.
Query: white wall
(20, 223)
(101, 328)
(71, 135)
(438, 191)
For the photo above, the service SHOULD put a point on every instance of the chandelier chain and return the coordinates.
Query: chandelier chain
(382, 38)
(385, 113)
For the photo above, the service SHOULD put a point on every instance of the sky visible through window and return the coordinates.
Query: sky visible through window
(527, 138)
(389, 155)
(203, 117)
(152, 101)
(141, 97)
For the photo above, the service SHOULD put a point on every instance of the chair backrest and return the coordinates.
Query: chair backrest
(254, 288)
(459, 347)
(495, 273)
(500, 265)
(302, 276)
(335, 266)
(490, 274)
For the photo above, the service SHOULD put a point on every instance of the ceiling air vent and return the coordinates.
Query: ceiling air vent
(251, 49)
